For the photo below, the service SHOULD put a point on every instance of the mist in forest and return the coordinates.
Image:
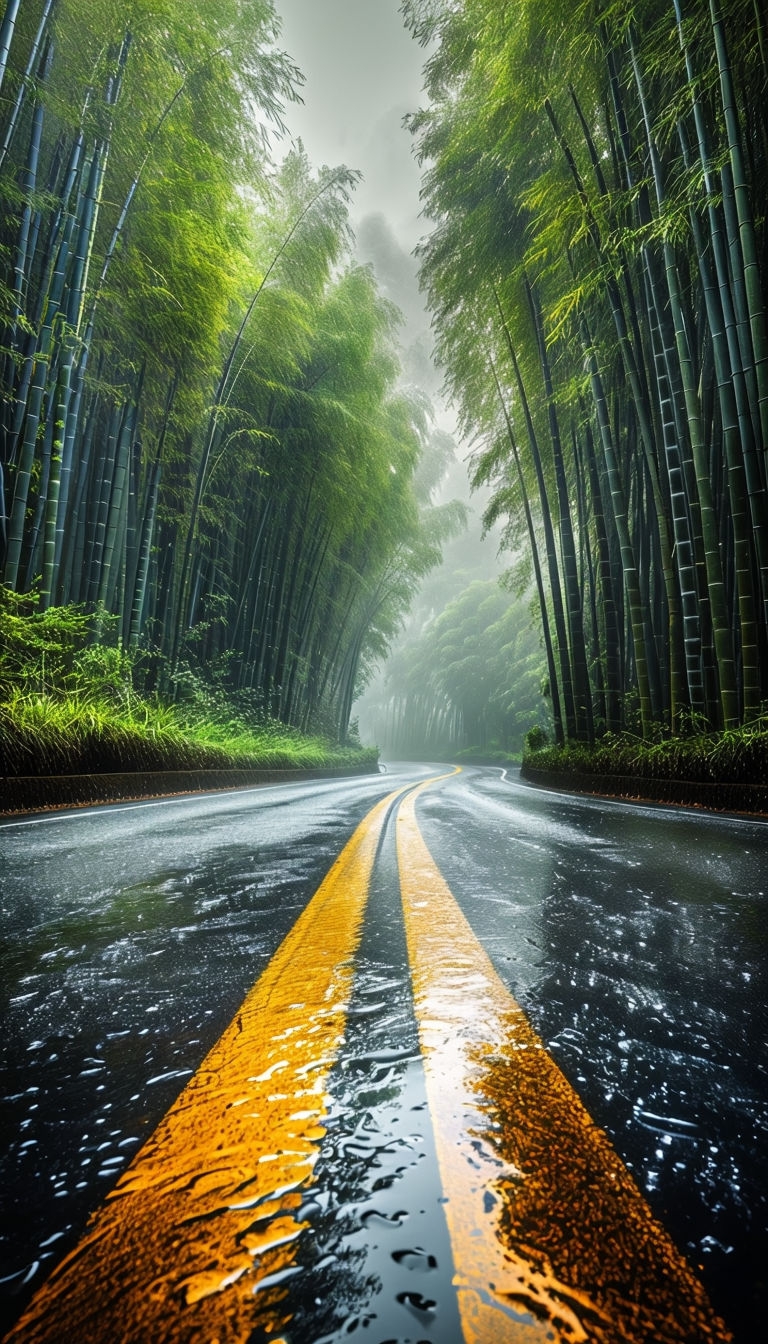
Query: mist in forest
(465, 672)
(363, 74)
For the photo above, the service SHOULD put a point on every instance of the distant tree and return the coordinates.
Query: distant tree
(472, 679)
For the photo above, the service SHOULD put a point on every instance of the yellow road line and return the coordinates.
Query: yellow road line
(199, 1235)
(551, 1237)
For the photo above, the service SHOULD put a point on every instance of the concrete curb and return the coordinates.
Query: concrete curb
(39, 793)
(729, 797)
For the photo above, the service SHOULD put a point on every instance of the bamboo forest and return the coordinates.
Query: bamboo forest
(218, 474)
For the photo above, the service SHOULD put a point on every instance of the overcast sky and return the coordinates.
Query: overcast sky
(363, 73)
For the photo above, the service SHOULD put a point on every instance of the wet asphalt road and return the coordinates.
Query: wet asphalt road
(634, 938)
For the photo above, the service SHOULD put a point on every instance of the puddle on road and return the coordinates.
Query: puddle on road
(372, 1246)
(377, 1252)
(98, 1045)
(638, 951)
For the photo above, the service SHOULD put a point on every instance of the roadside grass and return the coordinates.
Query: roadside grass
(44, 734)
(737, 756)
(68, 706)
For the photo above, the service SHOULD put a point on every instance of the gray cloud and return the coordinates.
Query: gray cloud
(363, 73)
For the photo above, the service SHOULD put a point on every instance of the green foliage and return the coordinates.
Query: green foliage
(536, 739)
(40, 650)
(490, 755)
(591, 172)
(470, 682)
(739, 756)
(205, 456)
(71, 734)
(69, 707)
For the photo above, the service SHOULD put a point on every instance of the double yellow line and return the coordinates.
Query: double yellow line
(551, 1238)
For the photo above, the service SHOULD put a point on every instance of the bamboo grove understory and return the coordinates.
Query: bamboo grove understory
(201, 432)
(596, 177)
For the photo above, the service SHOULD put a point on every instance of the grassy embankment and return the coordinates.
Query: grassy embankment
(738, 758)
(68, 705)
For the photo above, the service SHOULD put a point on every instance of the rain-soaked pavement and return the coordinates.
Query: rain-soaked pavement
(633, 937)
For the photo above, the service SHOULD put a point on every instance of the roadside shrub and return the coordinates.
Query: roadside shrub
(536, 739)
(736, 756)
(39, 649)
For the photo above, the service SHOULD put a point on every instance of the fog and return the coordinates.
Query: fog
(363, 73)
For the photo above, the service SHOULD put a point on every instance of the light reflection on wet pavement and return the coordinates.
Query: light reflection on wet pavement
(110, 1047)
(635, 940)
(377, 1255)
(124, 955)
